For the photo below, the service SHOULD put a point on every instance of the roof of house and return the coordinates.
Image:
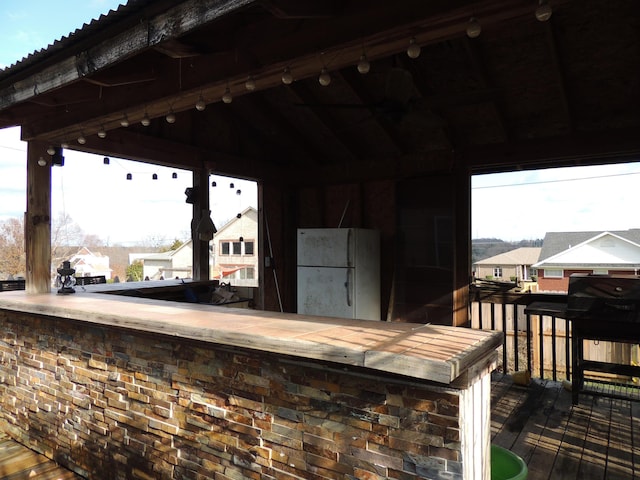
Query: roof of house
(591, 249)
(248, 212)
(556, 242)
(519, 256)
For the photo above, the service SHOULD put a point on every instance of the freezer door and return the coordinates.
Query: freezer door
(326, 291)
(326, 247)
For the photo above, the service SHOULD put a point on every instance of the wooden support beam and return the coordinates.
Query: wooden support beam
(200, 209)
(37, 225)
(461, 245)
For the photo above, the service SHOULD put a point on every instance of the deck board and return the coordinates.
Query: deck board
(18, 462)
(597, 439)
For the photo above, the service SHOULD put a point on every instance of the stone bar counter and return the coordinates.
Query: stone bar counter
(146, 388)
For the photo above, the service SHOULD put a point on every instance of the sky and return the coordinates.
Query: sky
(97, 197)
(514, 206)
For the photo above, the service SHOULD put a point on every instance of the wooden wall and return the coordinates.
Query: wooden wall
(416, 219)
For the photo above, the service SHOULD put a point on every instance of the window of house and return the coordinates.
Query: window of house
(225, 248)
(497, 272)
(248, 248)
(237, 248)
(247, 273)
(553, 273)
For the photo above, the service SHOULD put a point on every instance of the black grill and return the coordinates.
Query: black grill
(605, 298)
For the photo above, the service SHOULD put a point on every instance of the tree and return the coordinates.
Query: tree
(174, 246)
(135, 271)
(12, 252)
(66, 237)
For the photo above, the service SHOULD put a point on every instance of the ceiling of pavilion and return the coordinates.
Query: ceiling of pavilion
(523, 93)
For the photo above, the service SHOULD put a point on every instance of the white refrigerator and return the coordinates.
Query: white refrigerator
(339, 272)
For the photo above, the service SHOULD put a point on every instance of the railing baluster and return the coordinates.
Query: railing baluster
(480, 323)
(553, 349)
(516, 352)
(505, 364)
(529, 366)
(568, 339)
(541, 335)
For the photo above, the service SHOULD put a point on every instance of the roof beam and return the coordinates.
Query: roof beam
(176, 21)
(590, 148)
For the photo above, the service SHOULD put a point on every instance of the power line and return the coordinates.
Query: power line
(556, 181)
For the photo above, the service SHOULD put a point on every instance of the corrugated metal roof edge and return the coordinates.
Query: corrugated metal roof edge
(79, 34)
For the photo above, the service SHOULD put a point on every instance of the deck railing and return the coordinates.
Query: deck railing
(540, 344)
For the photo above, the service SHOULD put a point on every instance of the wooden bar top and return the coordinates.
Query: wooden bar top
(436, 353)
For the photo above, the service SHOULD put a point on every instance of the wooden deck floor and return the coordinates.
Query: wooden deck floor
(597, 439)
(18, 462)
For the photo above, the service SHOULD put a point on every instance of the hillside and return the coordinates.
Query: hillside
(482, 248)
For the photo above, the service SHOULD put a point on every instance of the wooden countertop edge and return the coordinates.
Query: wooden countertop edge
(274, 332)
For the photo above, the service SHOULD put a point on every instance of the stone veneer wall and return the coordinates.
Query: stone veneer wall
(110, 403)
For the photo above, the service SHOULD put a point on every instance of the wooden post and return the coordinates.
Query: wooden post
(462, 245)
(37, 220)
(200, 208)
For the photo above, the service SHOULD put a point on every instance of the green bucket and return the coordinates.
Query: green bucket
(506, 465)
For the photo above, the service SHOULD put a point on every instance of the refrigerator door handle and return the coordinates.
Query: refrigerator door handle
(349, 262)
(347, 285)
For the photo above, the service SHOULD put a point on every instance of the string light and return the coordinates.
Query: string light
(287, 77)
(250, 84)
(145, 120)
(200, 104)
(125, 121)
(413, 50)
(363, 64)
(324, 79)
(81, 139)
(473, 28)
(544, 11)
(226, 97)
(102, 133)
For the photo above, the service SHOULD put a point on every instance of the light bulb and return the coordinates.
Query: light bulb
(64, 145)
(145, 120)
(82, 140)
(124, 122)
(51, 150)
(250, 84)
(363, 65)
(226, 97)
(102, 133)
(544, 11)
(324, 79)
(413, 51)
(170, 118)
(42, 162)
(473, 28)
(287, 77)
(200, 104)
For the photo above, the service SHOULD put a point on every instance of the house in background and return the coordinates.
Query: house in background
(512, 265)
(566, 253)
(233, 255)
(89, 264)
(169, 264)
(235, 250)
